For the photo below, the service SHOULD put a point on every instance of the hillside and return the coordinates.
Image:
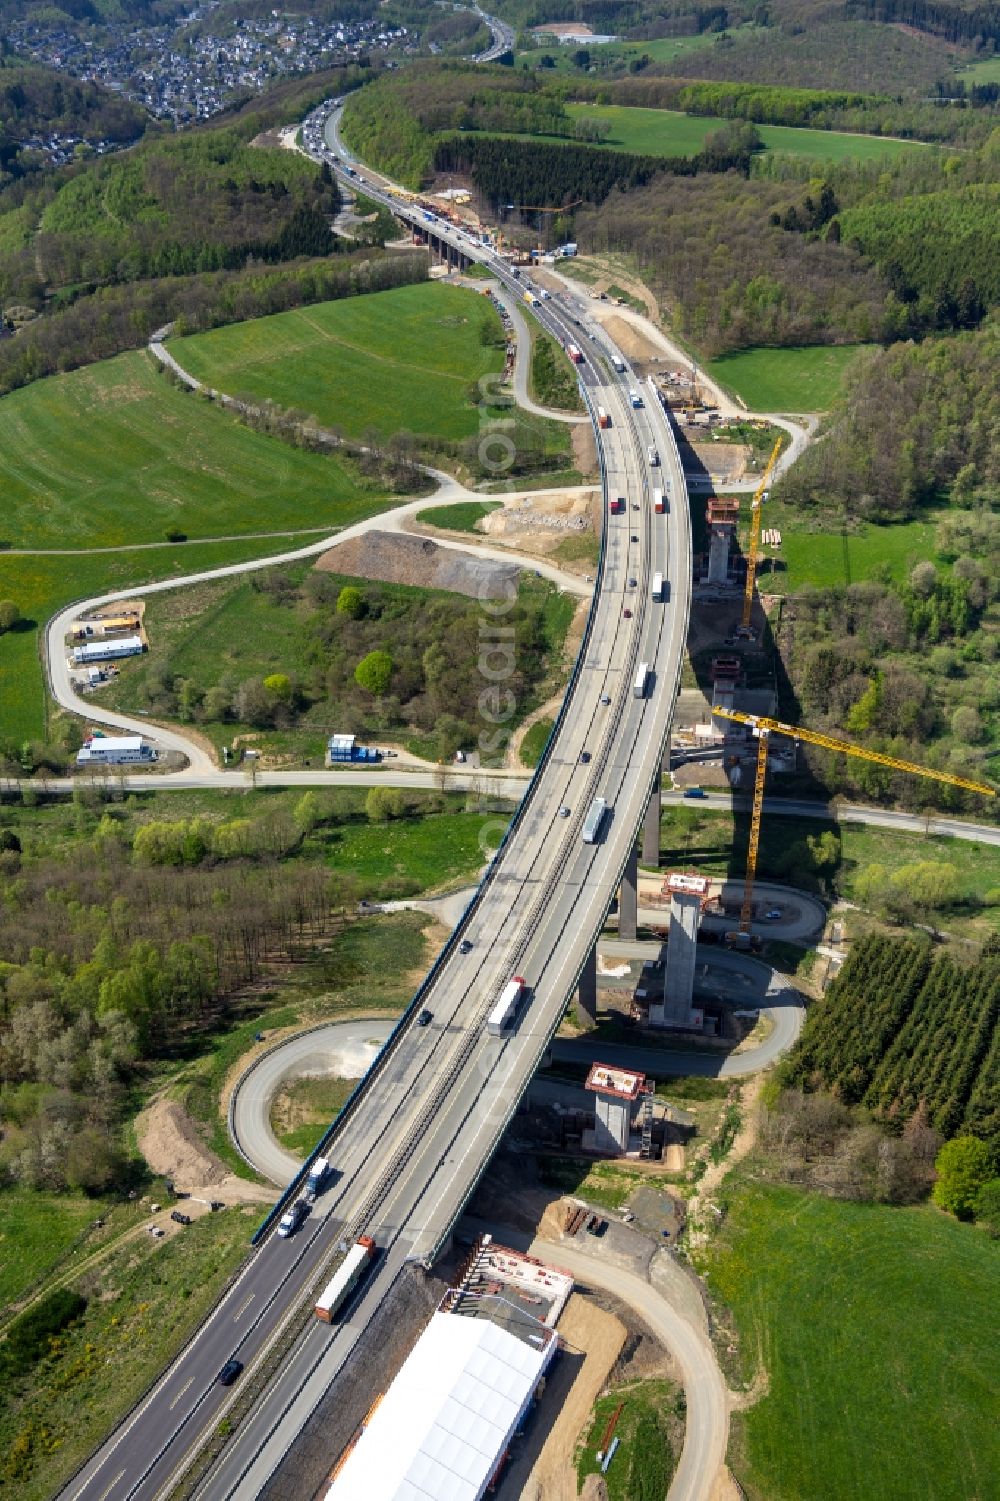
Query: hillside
(96, 254)
(37, 103)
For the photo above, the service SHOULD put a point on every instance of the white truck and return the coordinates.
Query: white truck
(507, 1007)
(316, 1179)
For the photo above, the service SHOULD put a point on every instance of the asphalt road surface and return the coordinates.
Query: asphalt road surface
(410, 1149)
(349, 1049)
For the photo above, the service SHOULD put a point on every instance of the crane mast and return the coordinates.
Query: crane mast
(763, 728)
(753, 548)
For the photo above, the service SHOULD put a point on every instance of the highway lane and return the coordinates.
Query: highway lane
(474, 1115)
(412, 1147)
(501, 38)
(349, 1048)
(429, 1183)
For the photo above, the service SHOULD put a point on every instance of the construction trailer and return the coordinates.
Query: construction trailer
(107, 651)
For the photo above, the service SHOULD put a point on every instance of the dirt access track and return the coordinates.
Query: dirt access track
(169, 1141)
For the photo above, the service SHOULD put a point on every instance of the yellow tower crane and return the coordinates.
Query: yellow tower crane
(763, 728)
(754, 546)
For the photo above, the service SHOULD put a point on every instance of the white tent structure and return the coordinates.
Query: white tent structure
(444, 1425)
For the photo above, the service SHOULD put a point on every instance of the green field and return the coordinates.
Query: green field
(463, 516)
(426, 853)
(314, 1104)
(535, 742)
(644, 1462)
(401, 361)
(36, 1230)
(144, 1301)
(664, 132)
(986, 71)
(878, 1329)
(114, 454)
(40, 585)
(806, 379)
(828, 560)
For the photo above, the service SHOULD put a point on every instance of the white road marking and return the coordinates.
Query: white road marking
(181, 1393)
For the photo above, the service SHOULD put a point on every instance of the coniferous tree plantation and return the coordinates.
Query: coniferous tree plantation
(902, 1030)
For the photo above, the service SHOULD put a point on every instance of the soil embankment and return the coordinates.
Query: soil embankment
(398, 558)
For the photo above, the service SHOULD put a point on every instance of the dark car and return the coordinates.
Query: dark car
(632, 583)
(465, 947)
(178, 1218)
(634, 537)
(425, 1018)
(230, 1371)
(627, 614)
(585, 757)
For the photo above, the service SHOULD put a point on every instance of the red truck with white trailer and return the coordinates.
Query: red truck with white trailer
(350, 1272)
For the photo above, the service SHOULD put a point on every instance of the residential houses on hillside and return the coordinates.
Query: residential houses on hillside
(185, 71)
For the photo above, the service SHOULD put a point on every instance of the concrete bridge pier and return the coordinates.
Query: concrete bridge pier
(586, 994)
(628, 899)
(651, 827)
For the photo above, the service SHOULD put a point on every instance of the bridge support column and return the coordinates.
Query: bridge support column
(586, 994)
(628, 899)
(651, 827)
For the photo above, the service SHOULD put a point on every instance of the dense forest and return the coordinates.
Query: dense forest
(202, 201)
(729, 277)
(956, 23)
(113, 957)
(384, 659)
(825, 54)
(92, 12)
(916, 423)
(938, 245)
(902, 1030)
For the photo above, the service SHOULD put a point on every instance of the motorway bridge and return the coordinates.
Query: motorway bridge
(416, 1137)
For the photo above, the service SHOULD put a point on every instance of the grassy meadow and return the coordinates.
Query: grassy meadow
(40, 585)
(114, 454)
(462, 516)
(878, 1329)
(806, 379)
(829, 559)
(664, 132)
(403, 360)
